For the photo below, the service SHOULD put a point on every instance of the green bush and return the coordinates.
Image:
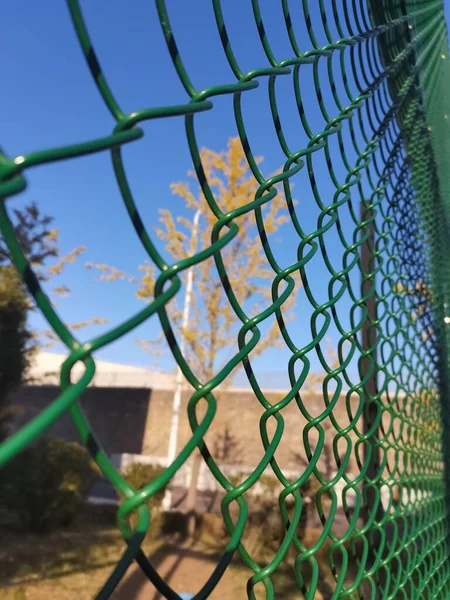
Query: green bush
(140, 475)
(46, 484)
(16, 342)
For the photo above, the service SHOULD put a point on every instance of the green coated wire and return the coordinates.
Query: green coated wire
(384, 98)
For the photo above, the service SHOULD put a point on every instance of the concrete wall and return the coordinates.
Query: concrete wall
(117, 415)
(135, 421)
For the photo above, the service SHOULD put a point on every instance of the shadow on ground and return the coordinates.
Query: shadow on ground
(187, 566)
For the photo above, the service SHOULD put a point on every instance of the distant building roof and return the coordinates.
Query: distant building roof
(46, 366)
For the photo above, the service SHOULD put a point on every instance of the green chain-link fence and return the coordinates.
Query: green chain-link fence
(397, 193)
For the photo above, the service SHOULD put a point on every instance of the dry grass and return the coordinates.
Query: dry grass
(74, 563)
(70, 564)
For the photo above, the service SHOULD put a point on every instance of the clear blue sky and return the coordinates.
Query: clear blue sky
(49, 99)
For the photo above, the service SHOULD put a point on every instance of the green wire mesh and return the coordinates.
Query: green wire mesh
(397, 193)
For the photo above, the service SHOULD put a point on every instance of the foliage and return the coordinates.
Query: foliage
(16, 341)
(39, 241)
(211, 333)
(48, 337)
(422, 298)
(425, 402)
(141, 474)
(47, 483)
(35, 235)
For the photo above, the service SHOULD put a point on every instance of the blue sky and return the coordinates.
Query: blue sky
(49, 99)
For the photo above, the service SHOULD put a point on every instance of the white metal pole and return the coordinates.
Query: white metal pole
(174, 425)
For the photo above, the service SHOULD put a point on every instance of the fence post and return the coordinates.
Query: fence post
(369, 366)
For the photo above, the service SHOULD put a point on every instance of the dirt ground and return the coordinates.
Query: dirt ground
(186, 569)
(66, 565)
(75, 563)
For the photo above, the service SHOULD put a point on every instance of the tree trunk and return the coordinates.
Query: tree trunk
(191, 499)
